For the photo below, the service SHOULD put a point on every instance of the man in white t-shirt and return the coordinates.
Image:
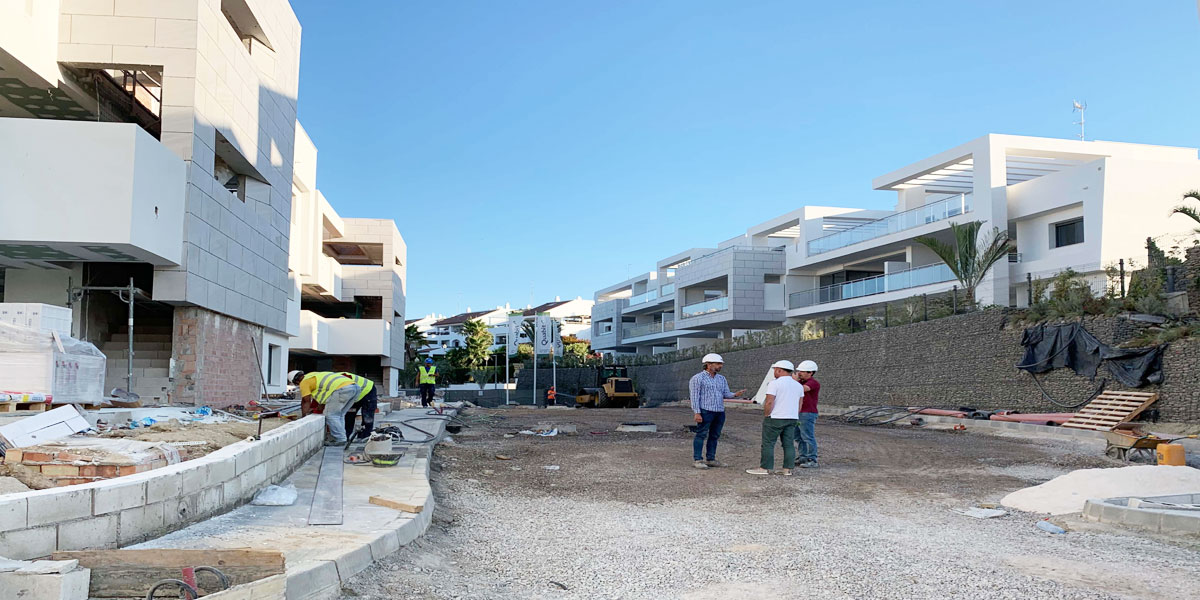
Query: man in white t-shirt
(781, 412)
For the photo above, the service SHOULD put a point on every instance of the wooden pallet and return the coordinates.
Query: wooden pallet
(7, 407)
(1110, 409)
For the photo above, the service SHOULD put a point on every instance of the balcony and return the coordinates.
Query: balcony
(870, 286)
(327, 280)
(353, 337)
(649, 329)
(706, 307)
(75, 191)
(643, 298)
(933, 212)
(667, 290)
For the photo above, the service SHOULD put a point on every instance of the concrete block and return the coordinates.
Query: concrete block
(194, 477)
(72, 585)
(86, 7)
(219, 471)
(174, 33)
(384, 544)
(23, 544)
(13, 514)
(1143, 519)
(164, 486)
(140, 523)
(1180, 523)
(84, 534)
(313, 579)
(208, 501)
(115, 495)
(98, 29)
(55, 505)
(232, 492)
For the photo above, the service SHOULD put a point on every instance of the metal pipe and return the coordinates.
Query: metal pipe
(129, 365)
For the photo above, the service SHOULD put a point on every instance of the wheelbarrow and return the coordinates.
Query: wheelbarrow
(1127, 440)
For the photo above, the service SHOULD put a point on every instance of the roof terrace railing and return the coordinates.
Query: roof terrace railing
(933, 212)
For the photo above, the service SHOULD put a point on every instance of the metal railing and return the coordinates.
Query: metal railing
(939, 210)
(708, 306)
(643, 298)
(878, 284)
(649, 329)
(1014, 257)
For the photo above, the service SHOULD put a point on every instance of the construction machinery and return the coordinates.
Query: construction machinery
(613, 389)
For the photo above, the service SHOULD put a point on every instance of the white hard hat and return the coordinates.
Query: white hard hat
(784, 364)
(713, 357)
(292, 376)
(808, 366)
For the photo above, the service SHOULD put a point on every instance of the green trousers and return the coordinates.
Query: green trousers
(778, 430)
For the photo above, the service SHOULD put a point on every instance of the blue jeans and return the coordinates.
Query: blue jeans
(709, 427)
(806, 437)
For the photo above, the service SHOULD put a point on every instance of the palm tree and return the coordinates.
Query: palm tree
(1187, 210)
(414, 342)
(969, 257)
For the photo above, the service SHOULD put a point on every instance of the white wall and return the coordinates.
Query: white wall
(29, 32)
(276, 384)
(86, 183)
(44, 286)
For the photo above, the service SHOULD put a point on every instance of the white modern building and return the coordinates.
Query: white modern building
(153, 141)
(350, 273)
(1073, 204)
(445, 334)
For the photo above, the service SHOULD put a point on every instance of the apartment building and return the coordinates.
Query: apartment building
(349, 275)
(153, 142)
(1073, 204)
(573, 317)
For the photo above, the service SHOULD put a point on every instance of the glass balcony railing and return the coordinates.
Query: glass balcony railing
(939, 210)
(667, 290)
(649, 329)
(879, 284)
(643, 298)
(708, 306)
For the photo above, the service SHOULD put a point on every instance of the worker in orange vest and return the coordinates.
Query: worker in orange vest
(550, 394)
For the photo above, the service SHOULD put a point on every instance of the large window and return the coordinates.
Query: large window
(1068, 233)
(273, 358)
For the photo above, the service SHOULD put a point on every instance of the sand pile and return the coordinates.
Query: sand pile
(1067, 493)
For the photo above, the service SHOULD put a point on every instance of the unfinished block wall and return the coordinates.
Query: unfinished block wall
(127, 510)
(215, 362)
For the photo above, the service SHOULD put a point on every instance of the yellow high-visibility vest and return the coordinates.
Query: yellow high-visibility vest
(428, 374)
(322, 384)
(364, 385)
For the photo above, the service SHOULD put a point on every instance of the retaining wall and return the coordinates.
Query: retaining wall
(964, 360)
(126, 510)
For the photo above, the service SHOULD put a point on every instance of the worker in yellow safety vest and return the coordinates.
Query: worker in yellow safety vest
(427, 379)
(335, 392)
(367, 403)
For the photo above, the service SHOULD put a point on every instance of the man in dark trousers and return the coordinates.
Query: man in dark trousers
(427, 378)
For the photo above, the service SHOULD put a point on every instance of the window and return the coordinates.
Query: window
(1068, 233)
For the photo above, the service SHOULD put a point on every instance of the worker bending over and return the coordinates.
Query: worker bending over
(334, 392)
(367, 403)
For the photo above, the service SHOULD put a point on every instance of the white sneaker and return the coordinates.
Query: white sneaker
(700, 464)
(758, 471)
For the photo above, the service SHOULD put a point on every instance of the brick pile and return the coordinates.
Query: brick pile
(74, 465)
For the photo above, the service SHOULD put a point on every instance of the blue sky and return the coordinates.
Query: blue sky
(555, 147)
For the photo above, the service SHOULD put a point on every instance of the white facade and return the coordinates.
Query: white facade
(444, 334)
(175, 121)
(1068, 204)
(350, 275)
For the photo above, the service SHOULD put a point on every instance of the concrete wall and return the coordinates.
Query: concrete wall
(127, 510)
(967, 360)
(30, 34)
(123, 200)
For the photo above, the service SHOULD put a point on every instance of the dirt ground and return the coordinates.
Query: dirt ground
(215, 435)
(626, 516)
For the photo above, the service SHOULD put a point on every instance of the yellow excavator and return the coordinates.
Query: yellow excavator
(613, 389)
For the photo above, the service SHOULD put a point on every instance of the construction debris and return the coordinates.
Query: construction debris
(276, 495)
(45, 427)
(399, 505)
(86, 459)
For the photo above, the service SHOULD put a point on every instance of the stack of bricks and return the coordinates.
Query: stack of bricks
(69, 467)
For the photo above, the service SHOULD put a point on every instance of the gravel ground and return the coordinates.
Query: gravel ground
(626, 516)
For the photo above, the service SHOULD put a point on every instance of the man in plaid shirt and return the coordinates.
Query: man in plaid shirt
(709, 391)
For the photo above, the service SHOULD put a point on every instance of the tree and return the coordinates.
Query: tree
(970, 257)
(528, 329)
(414, 342)
(479, 342)
(1192, 213)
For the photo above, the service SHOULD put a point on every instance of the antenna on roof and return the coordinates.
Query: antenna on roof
(1081, 107)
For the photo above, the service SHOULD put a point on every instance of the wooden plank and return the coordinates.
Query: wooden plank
(326, 508)
(396, 504)
(131, 573)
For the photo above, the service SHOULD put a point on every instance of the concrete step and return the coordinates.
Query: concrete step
(162, 338)
(138, 346)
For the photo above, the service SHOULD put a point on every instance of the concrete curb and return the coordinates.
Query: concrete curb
(1166, 522)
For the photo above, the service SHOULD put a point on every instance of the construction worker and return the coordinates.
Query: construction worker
(550, 395)
(427, 378)
(781, 410)
(709, 391)
(806, 434)
(335, 392)
(367, 403)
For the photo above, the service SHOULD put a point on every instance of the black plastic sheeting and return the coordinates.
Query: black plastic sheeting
(1049, 347)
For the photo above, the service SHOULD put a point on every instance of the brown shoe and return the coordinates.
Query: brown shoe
(784, 472)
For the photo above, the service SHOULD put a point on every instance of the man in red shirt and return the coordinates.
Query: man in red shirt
(806, 438)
